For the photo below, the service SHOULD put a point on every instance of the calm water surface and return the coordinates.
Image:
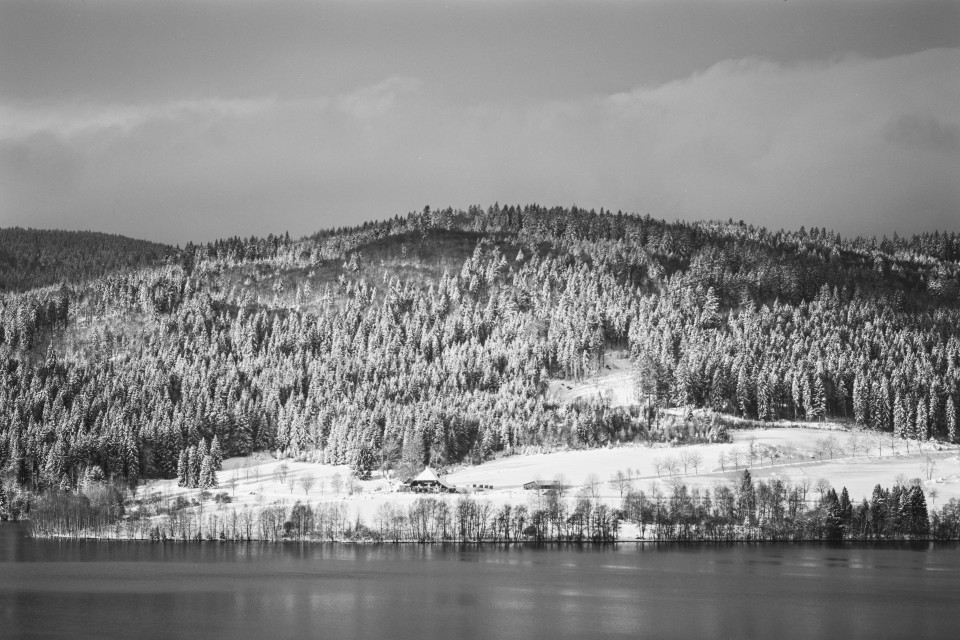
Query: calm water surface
(141, 590)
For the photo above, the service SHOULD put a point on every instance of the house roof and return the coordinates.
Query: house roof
(428, 475)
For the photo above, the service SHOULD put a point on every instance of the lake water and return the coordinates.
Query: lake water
(209, 590)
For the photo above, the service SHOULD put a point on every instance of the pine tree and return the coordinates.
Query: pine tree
(208, 478)
(922, 427)
(183, 469)
(934, 413)
(215, 454)
(819, 400)
(846, 510)
(131, 458)
(919, 518)
(951, 420)
(901, 425)
(860, 400)
(743, 390)
(193, 467)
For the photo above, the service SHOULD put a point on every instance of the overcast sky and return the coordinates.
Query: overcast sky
(180, 121)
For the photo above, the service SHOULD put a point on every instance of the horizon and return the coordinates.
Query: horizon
(181, 121)
(307, 234)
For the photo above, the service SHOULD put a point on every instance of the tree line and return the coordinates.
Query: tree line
(747, 510)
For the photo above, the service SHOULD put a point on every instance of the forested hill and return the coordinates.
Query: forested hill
(432, 337)
(31, 258)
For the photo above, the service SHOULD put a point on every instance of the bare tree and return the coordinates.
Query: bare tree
(307, 482)
(672, 466)
(929, 466)
(696, 459)
(822, 486)
(685, 460)
(854, 444)
(820, 448)
(752, 450)
(280, 472)
(933, 493)
(723, 460)
(658, 464)
(676, 484)
(876, 438)
(833, 446)
(735, 457)
(592, 484)
(804, 487)
(621, 482)
(336, 483)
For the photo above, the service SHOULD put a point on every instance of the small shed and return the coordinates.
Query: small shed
(429, 482)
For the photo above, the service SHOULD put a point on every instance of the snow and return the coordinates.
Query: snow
(258, 485)
(614, 382)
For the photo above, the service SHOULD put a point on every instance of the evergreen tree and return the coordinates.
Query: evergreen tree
(922, 427)
(860, 400)
(846, 511)
(920, 520)
(901, 420)
(819, 400)
(833, 516)
(215, 454)
(951, 418)
(183, 469)
(208, 477)
(193, 467)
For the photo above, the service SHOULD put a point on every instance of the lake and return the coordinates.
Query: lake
(78, 589)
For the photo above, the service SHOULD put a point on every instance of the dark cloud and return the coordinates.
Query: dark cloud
(194, 121)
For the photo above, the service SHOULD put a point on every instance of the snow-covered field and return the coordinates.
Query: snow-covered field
(614, 382)
(254, 481)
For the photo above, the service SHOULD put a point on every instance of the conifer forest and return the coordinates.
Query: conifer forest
(430, 339)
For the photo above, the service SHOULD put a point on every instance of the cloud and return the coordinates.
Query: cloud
(377, 100)
(924, 132)
(861, 145)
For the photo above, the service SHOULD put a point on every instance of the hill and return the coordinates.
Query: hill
(441, 337)
(31, 258)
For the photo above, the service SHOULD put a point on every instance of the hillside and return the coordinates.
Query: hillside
(450, 337)
(32, 258)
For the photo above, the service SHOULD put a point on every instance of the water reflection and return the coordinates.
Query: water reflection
(74, 589)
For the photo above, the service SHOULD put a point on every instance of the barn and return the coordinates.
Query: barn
(428, 482)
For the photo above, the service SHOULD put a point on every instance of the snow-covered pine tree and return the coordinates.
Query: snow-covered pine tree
(861, 399)
(951, 417)
(216, 455)
(193, 467)
(183, 469)
(901, 421)
(208, 478)
(921, 428)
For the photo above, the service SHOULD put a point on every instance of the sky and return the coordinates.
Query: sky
(177, 121)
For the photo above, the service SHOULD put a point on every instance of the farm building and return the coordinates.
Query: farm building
(541, 485)
(428, 482)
